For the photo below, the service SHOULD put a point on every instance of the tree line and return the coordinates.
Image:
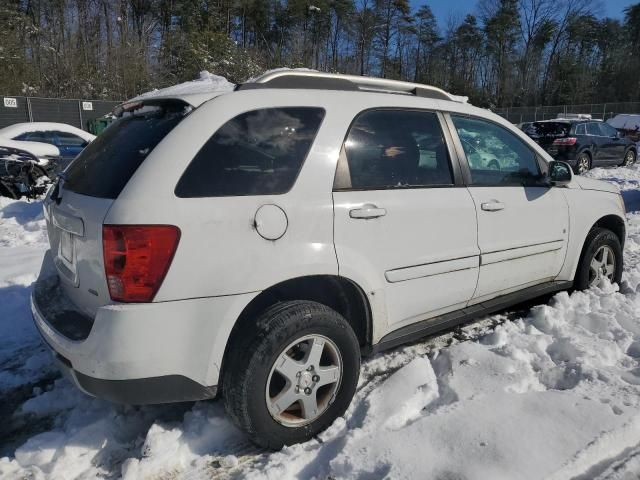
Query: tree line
(507, 53)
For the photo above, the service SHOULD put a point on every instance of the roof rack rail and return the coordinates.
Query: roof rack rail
(305, 79)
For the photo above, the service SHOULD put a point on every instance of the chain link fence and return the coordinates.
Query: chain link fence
(76, 112)
(602, 111)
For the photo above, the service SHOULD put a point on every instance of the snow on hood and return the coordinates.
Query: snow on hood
(16, 129)
(207, 83)
(35, 148)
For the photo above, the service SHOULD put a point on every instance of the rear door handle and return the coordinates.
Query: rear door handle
(367, 211)
(492, 206)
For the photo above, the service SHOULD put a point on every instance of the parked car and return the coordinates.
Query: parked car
(583, 144)
(69, 140)
(255, 243)
(628, 126)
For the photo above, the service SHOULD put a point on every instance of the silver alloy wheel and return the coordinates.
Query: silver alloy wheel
(303, 380)
(583, 163)
(603, 264)
(629, 158)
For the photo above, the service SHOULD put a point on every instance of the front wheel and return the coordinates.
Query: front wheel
(629, 158)
(601, 258)
(583, 164)
(291, 377)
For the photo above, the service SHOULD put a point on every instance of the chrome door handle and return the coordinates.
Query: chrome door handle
(492, 206)
(367, 211)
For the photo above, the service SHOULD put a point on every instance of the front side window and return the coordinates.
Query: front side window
(593, 129)
(259, 152)
(607, 130)
(395, 149)
(495, 155)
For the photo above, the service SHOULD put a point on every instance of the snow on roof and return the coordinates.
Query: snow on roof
(16, 129)
(203, 88)
(35, 148)
(625, 121)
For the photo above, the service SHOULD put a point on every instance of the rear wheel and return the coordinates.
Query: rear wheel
(583, 164)
(629, 158)
(601, 258)
(294, 375)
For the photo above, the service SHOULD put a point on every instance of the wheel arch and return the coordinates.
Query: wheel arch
(611, 222)
(337, 292)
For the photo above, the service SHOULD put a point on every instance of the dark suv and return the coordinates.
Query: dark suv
(583, 143)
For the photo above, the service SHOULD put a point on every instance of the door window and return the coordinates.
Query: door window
(42, 137)
(66, 139)
(495, 155)
(593, 129)
(607, 130)
(394, 149)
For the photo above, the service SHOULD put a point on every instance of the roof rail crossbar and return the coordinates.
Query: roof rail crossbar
(331, 81)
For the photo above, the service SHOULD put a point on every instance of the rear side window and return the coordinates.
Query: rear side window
(259, 152)
(106, 165)
(394, 149)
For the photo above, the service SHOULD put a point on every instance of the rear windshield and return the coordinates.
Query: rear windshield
(549, 129)
(106, 165)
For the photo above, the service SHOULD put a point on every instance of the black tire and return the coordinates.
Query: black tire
(629, 158)
(597, 238)
(252, 357)
(582, 157)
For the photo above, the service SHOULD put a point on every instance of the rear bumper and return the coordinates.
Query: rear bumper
(142, 353)
(564, 154)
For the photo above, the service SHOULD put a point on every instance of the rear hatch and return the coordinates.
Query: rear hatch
(546, 133)
(78, 204)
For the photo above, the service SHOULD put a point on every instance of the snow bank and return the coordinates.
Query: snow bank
(550, 392)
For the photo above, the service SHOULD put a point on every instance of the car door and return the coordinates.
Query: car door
(600, 153)
(522, 223)
(403, 220)
(612, 143)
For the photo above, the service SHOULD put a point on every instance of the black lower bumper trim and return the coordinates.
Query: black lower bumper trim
(138, 391)
(146, 391)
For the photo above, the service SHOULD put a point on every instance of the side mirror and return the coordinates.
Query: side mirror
(560, 173)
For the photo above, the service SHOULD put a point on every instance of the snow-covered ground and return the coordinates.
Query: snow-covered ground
(551, 391)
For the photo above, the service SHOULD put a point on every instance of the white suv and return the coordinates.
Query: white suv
(256, 243)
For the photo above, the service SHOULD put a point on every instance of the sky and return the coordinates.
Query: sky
(443, 9)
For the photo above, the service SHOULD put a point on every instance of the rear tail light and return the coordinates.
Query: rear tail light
(565, 141)
(137, 258)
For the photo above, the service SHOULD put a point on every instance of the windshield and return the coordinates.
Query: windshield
(549, 129)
